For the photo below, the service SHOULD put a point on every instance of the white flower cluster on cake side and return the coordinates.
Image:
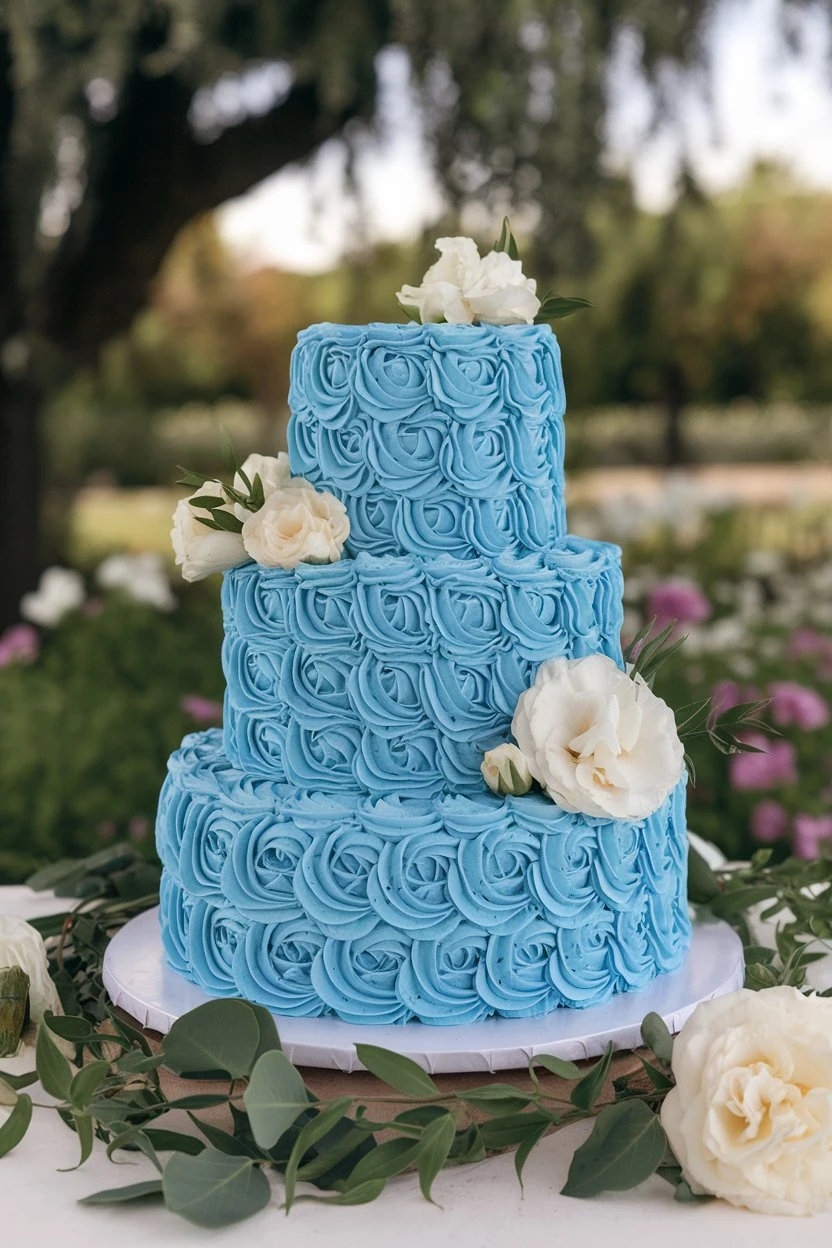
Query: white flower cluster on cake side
(294, 524)
(463, 287)
(596, 739)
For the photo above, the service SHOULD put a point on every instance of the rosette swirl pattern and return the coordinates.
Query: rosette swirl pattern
(423, 429)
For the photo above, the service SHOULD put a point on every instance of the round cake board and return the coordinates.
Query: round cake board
(139, 982)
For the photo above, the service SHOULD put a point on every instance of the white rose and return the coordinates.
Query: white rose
(22, 945)
(462, 287)
(273, 471)
(297, 524)
(501, 295)
(199, 550)
(599, 742)
(141, 577)
(506, 771)
(60, 590)
(750, 1118)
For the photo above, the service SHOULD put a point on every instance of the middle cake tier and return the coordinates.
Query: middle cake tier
(392, 674)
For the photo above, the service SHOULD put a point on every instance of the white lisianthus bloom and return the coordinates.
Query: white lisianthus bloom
(598, 741)
(506, 771)
(440, 297)
(141, 577)
(273, 471)
(59, 591)
(750, 1118)
(22, 945)
(297, 524)
(199, 550)
(501, 295)
(463, 287)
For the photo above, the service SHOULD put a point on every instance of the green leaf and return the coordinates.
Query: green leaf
(524, 1149)
(70, 1027)
(213, 1189)
(555, 308)
(656, 1036)
(223, 1141)
(269, 1037)
(737, 900)
(660, 1081)
(165, 1141)
(192, 478)
(16, 1082)
(398, 1072)
(360, 1195)
(497, 1098)
(508, 1132)
(86, 1136)
(54, 1071)
(703, 885)
(311, 1134)
(434, 1147)
(557, 1066)
(258, 494)
(389, 1159)
(54, 874)
(224, 520)
(121, 1195)
(16, 1125)
(227, 449)
(207, 502)
(217, 1036)
(586, 1093)
(86, 1082)
(626, 1146)
(275, 1097)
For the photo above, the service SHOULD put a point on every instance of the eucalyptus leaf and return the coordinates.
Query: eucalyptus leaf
(311, 1134)
(217, 1036)
(389, 1159)
(54, 1071)
(627, 1144)
(524, 1149)
(657, 1037)
(69, 1027)
(16, 1125)
(223, 1141)
(360, 1195)
(213, 1189)
(275, 1097)
(85, 1084)
(557, 1066)
(397, 1071)
(269, 1036)
(147, 1189)
(508, 1132)
(586, 1093)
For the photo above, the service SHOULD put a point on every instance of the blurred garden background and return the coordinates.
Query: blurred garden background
(182, 188)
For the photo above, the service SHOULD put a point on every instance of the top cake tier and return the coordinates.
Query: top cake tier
(440, 439)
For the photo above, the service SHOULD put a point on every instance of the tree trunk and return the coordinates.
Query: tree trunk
(19, 494)
(674, 397)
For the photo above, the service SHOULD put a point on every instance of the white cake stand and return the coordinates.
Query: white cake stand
(139, 982)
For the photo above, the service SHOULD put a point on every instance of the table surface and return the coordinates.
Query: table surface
(479, 1206)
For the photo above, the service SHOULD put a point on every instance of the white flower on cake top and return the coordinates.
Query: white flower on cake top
(597, 740)
(463, 287)
(267, 515)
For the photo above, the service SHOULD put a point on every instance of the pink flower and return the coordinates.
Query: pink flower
(769, 821)
(19, 644)
(677, 600)
(776, 763)
(795, 704)
(810, 832)
(201, 710)
(806, 641)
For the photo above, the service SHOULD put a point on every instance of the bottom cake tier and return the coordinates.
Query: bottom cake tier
(382, 910)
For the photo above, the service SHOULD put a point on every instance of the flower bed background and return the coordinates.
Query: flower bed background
(95, 696)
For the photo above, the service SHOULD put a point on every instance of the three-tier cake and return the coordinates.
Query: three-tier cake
(335, 849)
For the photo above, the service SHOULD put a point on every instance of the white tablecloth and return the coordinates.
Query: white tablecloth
(481, 1206)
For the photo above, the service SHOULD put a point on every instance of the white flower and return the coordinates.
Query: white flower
(750, 1118)
(506, 771)
(462, 287)
(297, 524)
(22, 945)
(200, 550)
(273, 471)
(599, 742)
(60, 590)
(140, 577)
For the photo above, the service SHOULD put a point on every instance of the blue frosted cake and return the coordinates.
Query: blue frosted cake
(337, 848)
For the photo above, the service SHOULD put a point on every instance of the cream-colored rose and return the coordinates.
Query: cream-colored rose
(598, 741)
(750, 1118)
(22, 945)
(501, 295)
(506, 771)
(273, 471)
(463, 287)
(297, 524)
(60, 590)
(199, 550)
